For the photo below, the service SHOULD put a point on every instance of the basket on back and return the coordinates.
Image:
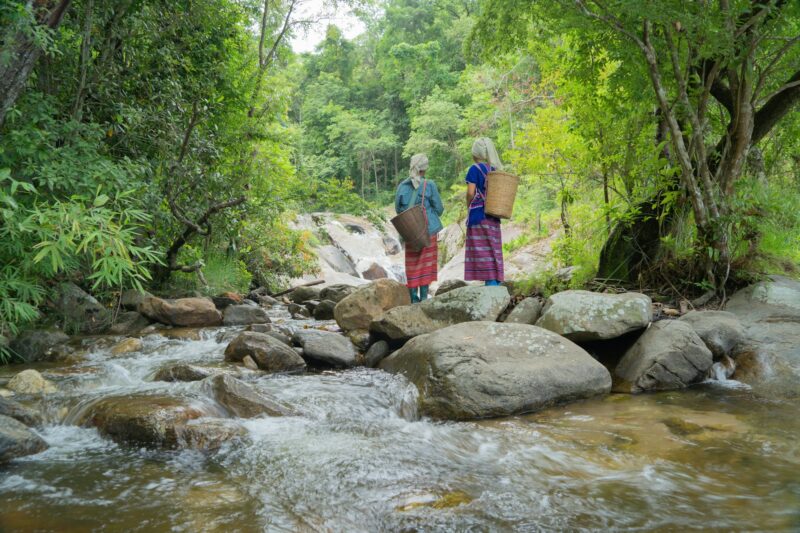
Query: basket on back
(501, 190)
(413, 228)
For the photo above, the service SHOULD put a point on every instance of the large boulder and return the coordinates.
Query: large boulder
(490, 369)
(241, 399)
(669, 355)
(326, 347)
(590, 316)
(16, 440)
(30, 382)
(128, 323)
(769, 358)
(80, 311)
(303, 294)
(336, 260)
(153, 421)
(449, 285)
(269, 353)
(527, 311)
(38, 344)
(721, 331)
(189, 312)
(368, 303)
(337, 292)
(19, 412)
(244, 315)
(181, 372)
(467, 304)
(131, 299)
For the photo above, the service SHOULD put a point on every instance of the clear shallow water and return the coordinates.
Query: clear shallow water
(359, 459)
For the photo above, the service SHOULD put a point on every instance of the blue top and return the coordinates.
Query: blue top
(433, 202)
(477, 175)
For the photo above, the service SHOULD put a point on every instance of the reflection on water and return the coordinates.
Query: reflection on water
(359, 459)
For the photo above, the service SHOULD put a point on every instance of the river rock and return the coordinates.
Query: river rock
(303, 294)
(338, 292)
(669, 355)
(190, 312)
(131, 299)
(590, 316)
(80, 311)
(269, 353)
(210, 434)
(449, 285)
(376, 353)
(243, 400)
(128, 323)
(16, 440)
(298, 311)
(374, 271)
(490, 369)
(19, 412)
(261, 297)
(244, 315)
(269, 329)
(147, 420)
(467, 304)
(181, 372)
(527, 311)
(336, 260)
(38, 344)
(249, 363)
(324, 311)
(326, 347)
(769, 358)
(126, 346)
(30, 382)
(368, 303)
(721, 331)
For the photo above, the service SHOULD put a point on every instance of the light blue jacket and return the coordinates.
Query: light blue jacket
(433, 202)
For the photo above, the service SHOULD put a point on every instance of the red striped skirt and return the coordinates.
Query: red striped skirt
(423, 266)
(483, 258)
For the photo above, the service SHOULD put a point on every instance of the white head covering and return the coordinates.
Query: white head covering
(419, 164)
(484, 150)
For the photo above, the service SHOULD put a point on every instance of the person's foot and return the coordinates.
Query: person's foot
(414, 295)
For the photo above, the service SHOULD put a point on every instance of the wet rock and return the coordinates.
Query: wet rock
(360, 339)
(19, 412)
(303, 294)
(368, 303)
(326, 347)
(489, 369)
(30, 382)
(222, 302)
(269, 353)
(769, 358)
(311, 305)
(80, 311)
(527, 311)
(336, 293)
(249, 363)
(324, 311)
(210, 434)
(298, 311)
(467, 304)
(127, 346)
(153, 421)
(261, 296)
(243, 400)
(16, 440)
(243, 315)
(374, 271)
(191, 312)
(721, 331)
(376, 353)
(128, 323)
(131, 299)
(181, 372)
(449, 285)
(669, 355)
(37, 344)
(589, 316)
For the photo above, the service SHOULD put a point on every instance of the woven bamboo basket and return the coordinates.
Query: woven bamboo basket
(501, 190)
(413, 228)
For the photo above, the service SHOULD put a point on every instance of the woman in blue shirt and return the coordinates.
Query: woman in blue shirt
(422, 267)
(483, 258)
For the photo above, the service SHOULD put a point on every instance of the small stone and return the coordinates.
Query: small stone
(242, 400)
(181, 372)
(324, 310)
(248, 362)
(376, 353)
(127, 346)
(30, 382)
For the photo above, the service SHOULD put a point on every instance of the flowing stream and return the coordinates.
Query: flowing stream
(359, 459)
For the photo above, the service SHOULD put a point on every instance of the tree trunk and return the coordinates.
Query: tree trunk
(24, 53)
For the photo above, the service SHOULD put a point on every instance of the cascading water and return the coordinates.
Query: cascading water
(359, 458)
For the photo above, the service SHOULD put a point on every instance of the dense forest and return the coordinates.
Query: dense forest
(168, 144)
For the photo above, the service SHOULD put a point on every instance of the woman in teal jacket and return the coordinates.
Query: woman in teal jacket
(422, 267)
